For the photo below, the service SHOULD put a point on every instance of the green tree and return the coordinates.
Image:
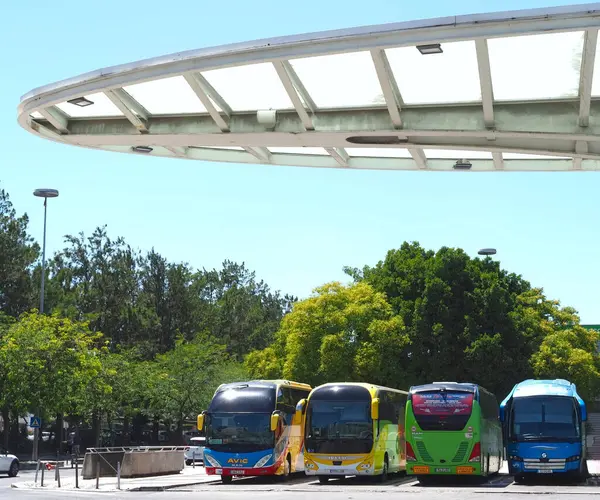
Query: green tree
(181, 382)
(18, 253)
(467, 319)
(340, 333)
(50, 363)
(571, 354)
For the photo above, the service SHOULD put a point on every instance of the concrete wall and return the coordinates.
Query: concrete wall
(133, 463)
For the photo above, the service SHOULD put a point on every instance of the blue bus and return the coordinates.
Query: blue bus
(543, 425)
(252, 429)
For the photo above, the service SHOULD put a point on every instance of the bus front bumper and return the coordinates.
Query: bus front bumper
(243, 471)
(535, 466)
(442, 469)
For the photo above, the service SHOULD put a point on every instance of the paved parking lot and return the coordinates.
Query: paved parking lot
(300, 487)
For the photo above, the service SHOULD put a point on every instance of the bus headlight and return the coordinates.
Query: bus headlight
(310, 466)
(574, 458)
(263, 460)
(364, 465)
(515, 458)
(212, 462)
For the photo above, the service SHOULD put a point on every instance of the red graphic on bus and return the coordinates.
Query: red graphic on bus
(442, 403)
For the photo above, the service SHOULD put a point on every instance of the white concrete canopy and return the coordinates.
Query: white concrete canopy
(504, 91)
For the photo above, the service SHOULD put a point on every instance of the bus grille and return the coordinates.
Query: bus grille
(461, 452)
(425, 456)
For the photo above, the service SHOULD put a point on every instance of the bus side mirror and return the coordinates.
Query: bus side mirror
(200, 422)
(375, 409)
(274, 422)
(300, 406)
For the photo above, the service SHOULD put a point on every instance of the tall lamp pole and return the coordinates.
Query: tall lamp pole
(42, 193)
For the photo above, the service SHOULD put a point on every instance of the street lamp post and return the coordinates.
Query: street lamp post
(42, 193)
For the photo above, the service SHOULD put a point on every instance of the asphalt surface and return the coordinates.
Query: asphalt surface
(302, 487)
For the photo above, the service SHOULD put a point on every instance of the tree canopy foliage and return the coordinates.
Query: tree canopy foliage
(419, 316)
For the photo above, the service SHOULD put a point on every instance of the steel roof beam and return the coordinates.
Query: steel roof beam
(485, 81)
(533, 122)
(498, 160)
(207, 94)
(285, 71)
(180, 152)
(340, 155)
(419, 157)
(57, 118)
(260, 153)
(587, 75)
(389, 87)
(133, 110)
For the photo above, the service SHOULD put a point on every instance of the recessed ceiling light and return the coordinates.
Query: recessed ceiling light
(432, 48)
(142, 149)
(462, 165)
(82, 102)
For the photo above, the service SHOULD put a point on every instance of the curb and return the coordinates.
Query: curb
(170, 486)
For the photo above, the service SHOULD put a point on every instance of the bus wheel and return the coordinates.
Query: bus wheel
(384, 474)
(323, 479)
(226, 479)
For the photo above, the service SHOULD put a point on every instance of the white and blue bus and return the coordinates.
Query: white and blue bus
(543, 425)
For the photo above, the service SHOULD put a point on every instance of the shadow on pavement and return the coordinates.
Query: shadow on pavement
(496, 481)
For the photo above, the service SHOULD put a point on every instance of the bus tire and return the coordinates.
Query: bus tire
(323, 479)
(386, 468)
(226, 479)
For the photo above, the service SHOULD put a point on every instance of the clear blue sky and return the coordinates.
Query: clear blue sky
(296, 227)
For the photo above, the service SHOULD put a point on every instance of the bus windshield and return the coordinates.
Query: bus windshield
(544, 418)
(241, 432)
(339, 427)
(442, 410)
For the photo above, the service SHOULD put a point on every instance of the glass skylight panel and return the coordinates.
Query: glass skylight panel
(37, 115)
(167, 96)
(250, 87)
(298, 151)
(536, 66)
(457, 154)
(450, 76)
(236, 148)
(381, 152)
(596, 79)
(527, 156)
(102, 106)
(340, 80)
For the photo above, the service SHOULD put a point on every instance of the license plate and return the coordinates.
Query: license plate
(544, 471)
(240, 472)
(421, 469)
(464, 470)
(442, 469)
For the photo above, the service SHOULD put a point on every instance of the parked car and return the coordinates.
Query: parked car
(195, 450)
(9, 464)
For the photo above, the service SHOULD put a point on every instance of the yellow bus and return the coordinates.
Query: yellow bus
(252, 429)
(353, 429)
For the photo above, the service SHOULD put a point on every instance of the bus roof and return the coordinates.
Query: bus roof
(533, 387)
(264, 383)
(557, 387)
(372, 388)
(448, 386)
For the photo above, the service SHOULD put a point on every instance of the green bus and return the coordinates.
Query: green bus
(452, 429)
